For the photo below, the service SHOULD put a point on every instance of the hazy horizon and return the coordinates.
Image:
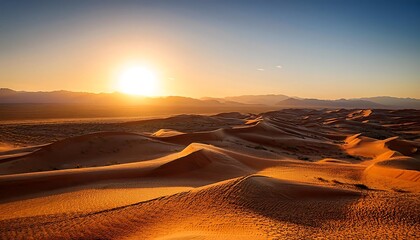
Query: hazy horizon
(312, 49)
(201, 97)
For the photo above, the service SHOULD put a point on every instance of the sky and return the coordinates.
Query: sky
(314, 49)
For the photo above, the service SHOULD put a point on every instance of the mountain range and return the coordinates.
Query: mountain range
(271, 100)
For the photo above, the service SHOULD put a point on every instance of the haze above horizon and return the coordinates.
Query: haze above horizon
(313, 49)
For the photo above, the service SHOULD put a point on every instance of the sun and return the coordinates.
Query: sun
(138, 80)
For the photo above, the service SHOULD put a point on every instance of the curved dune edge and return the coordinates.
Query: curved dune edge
(333, 160)
(166, 133)
(392, 178)
(252, 186)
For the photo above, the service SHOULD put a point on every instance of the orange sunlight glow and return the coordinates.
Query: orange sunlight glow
(138, 80)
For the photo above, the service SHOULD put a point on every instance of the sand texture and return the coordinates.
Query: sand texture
(289, 174)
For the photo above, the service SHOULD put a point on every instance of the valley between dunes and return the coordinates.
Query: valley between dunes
(289, 174)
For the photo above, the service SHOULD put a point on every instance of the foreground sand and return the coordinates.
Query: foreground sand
(292, 174)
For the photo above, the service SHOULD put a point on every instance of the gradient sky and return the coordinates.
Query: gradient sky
(326, 49)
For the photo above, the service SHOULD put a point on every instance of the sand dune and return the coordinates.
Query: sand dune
(202, 162)
(295, 173)
(236, 208)
(98, 149)
(166, 133)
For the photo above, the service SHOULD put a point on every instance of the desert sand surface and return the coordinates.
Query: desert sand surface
(288, 174)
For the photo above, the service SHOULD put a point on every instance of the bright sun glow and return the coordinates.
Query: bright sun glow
(138, 80)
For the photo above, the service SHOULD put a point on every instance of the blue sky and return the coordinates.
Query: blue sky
(326, 49)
